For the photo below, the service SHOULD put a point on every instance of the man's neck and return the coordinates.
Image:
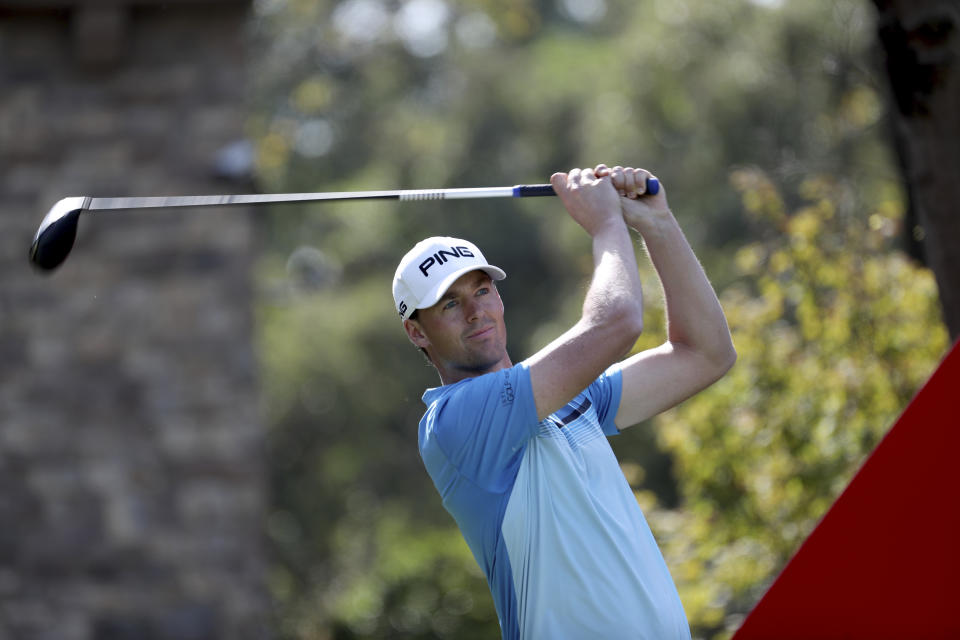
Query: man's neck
(452, 375)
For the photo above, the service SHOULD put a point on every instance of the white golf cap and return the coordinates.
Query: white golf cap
(428, 270)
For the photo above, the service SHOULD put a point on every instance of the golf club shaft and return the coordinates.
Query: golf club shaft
(519, 191)
(58, 229)
(516, 191)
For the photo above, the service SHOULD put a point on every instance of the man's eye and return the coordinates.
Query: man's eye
(482, 291)
(450, 304)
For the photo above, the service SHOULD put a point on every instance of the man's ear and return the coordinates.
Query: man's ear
(415, 333)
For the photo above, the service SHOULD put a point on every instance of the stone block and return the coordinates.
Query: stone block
(130, 437)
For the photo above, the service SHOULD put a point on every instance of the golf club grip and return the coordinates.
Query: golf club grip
(535, 190)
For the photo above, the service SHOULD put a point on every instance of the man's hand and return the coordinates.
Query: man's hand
(639, 209)
(590, 199)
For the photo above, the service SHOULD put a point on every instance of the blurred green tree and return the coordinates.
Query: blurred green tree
(835, 334)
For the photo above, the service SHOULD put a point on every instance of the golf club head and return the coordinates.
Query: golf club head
(54, 239)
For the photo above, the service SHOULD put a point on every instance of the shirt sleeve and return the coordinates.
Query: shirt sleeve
(484, 424)
(605, 393)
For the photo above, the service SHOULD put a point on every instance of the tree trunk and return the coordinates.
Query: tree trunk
(921, 45)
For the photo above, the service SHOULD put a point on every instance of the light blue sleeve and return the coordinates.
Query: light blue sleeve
(605, 394)
(484, 424)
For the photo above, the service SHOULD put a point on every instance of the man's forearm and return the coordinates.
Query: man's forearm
(694, 316)
(615, 293)
(612, 315)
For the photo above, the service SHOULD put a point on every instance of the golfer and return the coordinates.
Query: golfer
(517, 451)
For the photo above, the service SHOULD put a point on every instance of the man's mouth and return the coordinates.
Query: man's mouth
(482, 333)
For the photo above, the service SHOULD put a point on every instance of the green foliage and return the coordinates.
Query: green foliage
(391, 576)
(833, 328)
(835, 333)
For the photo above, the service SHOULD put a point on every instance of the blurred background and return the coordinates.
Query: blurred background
(208, 417)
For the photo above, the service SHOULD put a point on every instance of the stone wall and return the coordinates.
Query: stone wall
(131, 444)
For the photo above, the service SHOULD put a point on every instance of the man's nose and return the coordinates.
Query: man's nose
(472, 310)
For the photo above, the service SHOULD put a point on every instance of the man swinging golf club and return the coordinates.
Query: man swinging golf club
(518, 453)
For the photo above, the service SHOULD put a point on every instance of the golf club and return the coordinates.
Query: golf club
(58, 230)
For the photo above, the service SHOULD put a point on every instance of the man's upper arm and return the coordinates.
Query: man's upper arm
(661, 378)
(483, 426)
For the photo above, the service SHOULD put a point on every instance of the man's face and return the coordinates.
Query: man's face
(464, 333)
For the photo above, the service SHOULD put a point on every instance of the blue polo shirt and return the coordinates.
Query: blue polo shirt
(546, 510)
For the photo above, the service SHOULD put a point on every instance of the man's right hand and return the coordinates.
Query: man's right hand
(590, 199)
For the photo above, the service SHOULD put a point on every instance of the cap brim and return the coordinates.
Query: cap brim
(434, 297)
